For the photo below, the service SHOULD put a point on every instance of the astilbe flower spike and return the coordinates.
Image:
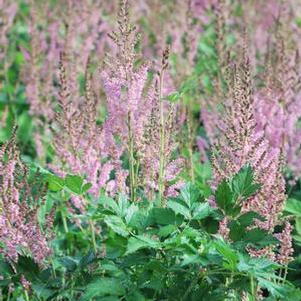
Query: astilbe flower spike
(19, 227)
(82, 146)
(74, 27)
(8, 11)
(240, 144)
(151, 154)
(128, 104)
(277, 104)
(133, 103)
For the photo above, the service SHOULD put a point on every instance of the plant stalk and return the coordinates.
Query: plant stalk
(162, 142)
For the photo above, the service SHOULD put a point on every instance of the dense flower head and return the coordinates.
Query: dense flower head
(8, 11)
(240, 144)
(84, 147)
(277, 104)
(128, 104)
(150, 155)
(20, 228)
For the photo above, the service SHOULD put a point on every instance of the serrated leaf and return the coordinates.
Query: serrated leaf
(139, 220)
(293, 206)
(87, 259)
(201, 211)
(190, 194)
(74, 183)
(110, 203)
(247, 219)
(55, 183)
(86, 187)
(237, 231)
(117, 225)
(179, 209)
(163, 216)
(230, 257)
(224, 196)
(259, 238)
(68, 262)
(140, 242)
(166, 230)
(102, 287)
(243, 183)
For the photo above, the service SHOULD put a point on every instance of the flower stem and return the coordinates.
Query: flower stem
(26, 295)
(162, 141)
(253, 290)
(131, 160)
(64, 220)
(93, 236)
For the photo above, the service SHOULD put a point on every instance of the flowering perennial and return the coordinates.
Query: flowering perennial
(19, 227)
(241, 144)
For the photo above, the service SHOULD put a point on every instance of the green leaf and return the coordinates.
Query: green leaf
(298, 225)
(87, 259)
(117, 225)
(69, 263)
(74, 183)
(190, 194)
(237, 231)
(140, 242)
(139, 220)
(256, 266)
(102, 287)
(173, 97)
(202, 211)
(55, 183)
(110, 203)
(259, 238)
(163, 216)
(293, 206)
(86, 187)
(243, 183)
(135, 296)
(230, 257)
(224, 196)
(179, 209)
(247, 219)
(277, 290)
(166, 230)
(42, 291)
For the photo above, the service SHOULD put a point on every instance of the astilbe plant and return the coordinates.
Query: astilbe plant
(132, 100)
(81, 145)
(277, 104)
(7, 14)
(211, 105)
(160, 171)
(239, 145)
(20, 231)
(74, 27)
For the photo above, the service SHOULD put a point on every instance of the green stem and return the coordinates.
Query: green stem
(285, 273)
(162, 142)
(132, 160)
(64, 222)
(190, 150)
(93, 236)
(53, 269)
(26, 295)
(190, 287)
(253, 290)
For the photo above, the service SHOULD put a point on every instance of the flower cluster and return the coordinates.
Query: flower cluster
(240, 144)
(7, 14)
(19, 227)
